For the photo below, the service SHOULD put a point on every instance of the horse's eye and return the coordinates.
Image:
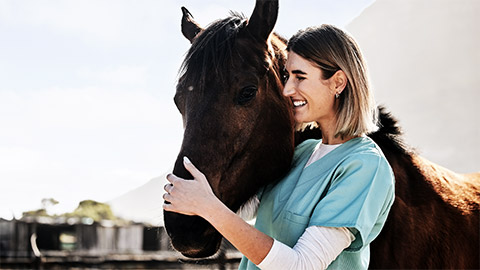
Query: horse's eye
(246, 94)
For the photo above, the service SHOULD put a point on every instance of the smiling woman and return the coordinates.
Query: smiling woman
(320, 70)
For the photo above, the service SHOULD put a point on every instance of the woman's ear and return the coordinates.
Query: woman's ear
(339, 81)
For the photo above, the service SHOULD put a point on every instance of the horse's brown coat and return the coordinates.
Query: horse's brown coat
(434, 221)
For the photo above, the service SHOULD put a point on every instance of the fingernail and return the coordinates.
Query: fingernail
(186, 160)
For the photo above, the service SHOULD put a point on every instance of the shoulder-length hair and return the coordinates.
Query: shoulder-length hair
(332, 49)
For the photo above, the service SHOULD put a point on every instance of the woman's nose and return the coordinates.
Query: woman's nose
(288, 89)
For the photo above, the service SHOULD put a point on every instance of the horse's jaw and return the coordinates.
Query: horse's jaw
(192, 236)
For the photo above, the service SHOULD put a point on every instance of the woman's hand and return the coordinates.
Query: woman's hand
(195, 197)
(189, 197)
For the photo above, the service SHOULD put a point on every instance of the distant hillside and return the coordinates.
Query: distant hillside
(424, 61)
(143, 204)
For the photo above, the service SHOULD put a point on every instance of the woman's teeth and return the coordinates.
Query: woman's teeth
(299, 103)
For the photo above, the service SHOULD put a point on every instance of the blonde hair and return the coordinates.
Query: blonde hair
(332, 49)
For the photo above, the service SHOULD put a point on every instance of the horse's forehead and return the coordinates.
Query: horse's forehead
(244, 71)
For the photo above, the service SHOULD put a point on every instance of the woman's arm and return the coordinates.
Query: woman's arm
(316, 249)
(195, 197)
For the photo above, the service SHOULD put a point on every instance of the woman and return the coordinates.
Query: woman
(336, 197)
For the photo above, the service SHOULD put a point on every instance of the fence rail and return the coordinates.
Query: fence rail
(36, 245)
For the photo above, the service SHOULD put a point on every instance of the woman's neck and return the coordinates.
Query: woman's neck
(335, 140)
(328, 133)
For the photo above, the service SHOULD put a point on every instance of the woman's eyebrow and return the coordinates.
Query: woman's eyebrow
(298, 71)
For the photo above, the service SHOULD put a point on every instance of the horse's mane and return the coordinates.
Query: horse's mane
(389, 134)
(212, 52)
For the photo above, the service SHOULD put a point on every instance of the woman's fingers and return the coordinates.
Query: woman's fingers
(167, 197)
(168, 188)
(170, 204)
(172, 178)
(172, 208)
(192, 169)
(189, 197)
(167, 207)
(197, 174)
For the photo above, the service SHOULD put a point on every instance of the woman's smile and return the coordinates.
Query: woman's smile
(299, 103)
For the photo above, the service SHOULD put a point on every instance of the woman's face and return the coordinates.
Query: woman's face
(313, 98)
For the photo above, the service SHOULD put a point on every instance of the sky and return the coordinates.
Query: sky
(86, 91)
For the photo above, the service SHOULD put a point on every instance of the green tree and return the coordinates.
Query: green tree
(97, 211)
(43, 211)
(92, 209)
(35, 213)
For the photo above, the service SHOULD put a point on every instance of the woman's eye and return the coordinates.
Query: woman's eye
(301, 78)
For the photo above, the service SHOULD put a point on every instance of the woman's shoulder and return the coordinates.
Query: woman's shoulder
(306, 144)
(364, 152)
(364, 147)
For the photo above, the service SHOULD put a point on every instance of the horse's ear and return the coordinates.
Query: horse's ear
(190, 28)
(263, 19)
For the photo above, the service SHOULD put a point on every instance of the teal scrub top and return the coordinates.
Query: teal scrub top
(352, 186)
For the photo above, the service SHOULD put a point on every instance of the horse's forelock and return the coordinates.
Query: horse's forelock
(212, 52)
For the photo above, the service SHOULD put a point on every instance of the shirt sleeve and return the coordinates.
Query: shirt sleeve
(359, 198)
(316, 249)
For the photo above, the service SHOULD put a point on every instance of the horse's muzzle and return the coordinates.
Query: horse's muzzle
(192, 236)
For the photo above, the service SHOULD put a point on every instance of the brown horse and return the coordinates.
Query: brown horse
(238, 126)
(239, 131)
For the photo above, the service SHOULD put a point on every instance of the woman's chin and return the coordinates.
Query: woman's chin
(301, 119)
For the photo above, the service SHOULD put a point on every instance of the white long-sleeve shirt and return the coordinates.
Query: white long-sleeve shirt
(316, 249)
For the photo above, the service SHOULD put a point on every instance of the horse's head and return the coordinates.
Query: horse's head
(238, 126)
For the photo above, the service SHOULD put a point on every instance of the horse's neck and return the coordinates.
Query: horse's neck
(462, 191)
(418, 179)
(308, 133)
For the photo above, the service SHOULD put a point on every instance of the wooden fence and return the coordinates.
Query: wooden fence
(47, 244)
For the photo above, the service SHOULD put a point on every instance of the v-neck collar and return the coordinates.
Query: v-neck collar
(316, 169)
